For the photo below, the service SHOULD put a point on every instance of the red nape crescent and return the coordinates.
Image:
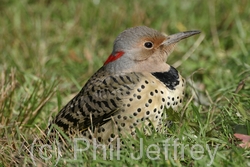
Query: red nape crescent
(114, 57)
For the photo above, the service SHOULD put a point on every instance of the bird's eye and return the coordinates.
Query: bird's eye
(148, 45)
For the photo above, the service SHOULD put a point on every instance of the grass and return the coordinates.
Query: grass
(49, 49)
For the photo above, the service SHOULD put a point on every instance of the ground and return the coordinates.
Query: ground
(49, 49)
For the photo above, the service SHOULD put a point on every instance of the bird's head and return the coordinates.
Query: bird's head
(142, 49)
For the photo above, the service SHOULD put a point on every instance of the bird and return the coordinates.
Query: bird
(130, 91)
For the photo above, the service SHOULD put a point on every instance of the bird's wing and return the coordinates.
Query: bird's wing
(98, 100)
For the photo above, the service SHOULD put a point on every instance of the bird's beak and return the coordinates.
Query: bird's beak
(171, 39)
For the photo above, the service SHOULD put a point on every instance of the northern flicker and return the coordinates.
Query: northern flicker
(130, 90)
